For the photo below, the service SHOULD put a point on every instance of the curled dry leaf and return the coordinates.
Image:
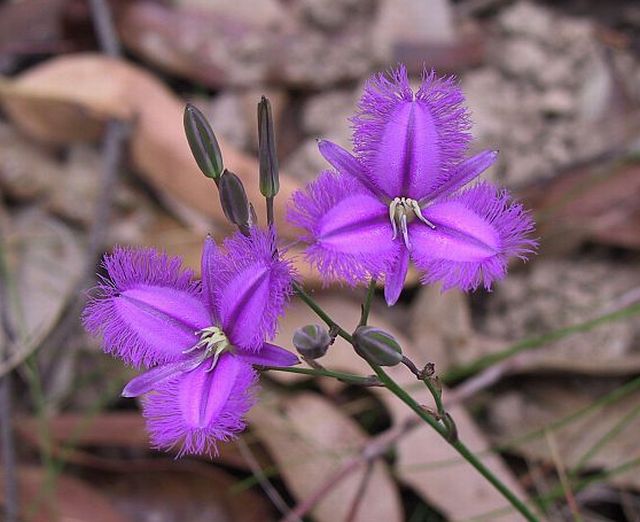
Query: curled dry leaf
(424, 460)
(69, 499)
(68, 99)
(310, 439)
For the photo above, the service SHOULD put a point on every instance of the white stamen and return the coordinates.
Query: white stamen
(401, 212)
(213, 343)
(418, 212)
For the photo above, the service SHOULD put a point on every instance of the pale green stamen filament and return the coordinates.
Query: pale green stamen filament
(213, 343)
(403, 211)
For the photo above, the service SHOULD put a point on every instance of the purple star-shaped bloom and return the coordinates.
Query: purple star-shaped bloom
(200, 339)
(399, 196)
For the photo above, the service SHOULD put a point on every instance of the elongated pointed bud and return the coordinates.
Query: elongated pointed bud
(269, 178)
(312, 341)
(233, 199)
(203, 143)
(377, 346)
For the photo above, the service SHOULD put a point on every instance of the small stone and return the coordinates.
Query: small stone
(326, 112)
(412, 21)
(558, 102)
(526, 19)
(522, 57)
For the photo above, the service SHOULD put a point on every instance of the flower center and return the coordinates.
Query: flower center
(403, 211)
(212, 344)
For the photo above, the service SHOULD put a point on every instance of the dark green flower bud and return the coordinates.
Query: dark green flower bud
(203, 143)
(377, 346)
(269, 179)
(233, 199)
(312, 341)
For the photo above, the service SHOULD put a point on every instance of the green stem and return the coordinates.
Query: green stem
(270, 217)
(366, 307)
(437, 396)
(309, 301)
(345, 377)
(394, 388)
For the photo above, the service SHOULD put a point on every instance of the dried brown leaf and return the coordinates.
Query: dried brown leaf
(601, 204)
(69, 499)
(309, 439)
(68, 98)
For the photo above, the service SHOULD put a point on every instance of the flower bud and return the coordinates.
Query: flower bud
(312, 341)
(269, 180)
(233, 199)
(377, 346)
(203, 143)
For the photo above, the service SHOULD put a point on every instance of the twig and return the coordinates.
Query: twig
(262, 479)
(562, 474)
(362, 487)
(104, 28)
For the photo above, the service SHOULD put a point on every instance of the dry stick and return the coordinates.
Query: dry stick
(373, 449)
(562, 474)
(112, 152)
(257, 471)
(362, 487)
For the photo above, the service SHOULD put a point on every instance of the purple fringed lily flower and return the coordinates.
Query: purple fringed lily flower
(199, 338)
(399, 197)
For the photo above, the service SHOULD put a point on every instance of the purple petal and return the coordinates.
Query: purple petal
(209, 255)
(152, 379)
(395, 276)
(270, 355)
(148, 309)
(407, 141)
(462, 174)
(251, 287)
(200, 408)
(476, 232)
(345, 163)
(346, 226)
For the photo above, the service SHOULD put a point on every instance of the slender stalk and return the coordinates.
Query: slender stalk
(270, 216)
(370, 380)
(366, 307)
(394, 388)
(310, 302)
(437, 396)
